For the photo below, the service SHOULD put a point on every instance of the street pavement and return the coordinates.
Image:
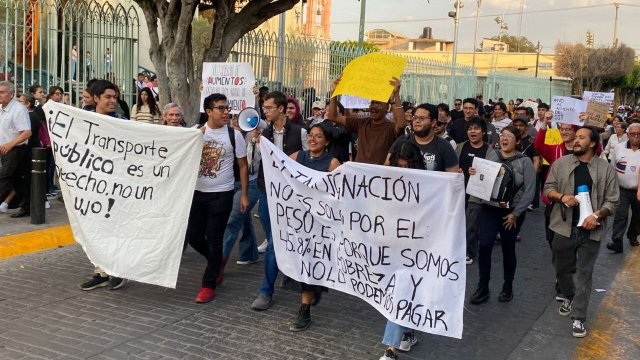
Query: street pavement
(45, 315)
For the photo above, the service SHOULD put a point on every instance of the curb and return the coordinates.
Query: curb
(34, 241)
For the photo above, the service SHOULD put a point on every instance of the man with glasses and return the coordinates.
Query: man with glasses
(15, 130)
(289, 138)
(439, 128)
(457, 112)
(213, 196)
(458, 128)
(625, 159)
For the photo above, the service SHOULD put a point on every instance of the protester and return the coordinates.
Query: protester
(500, 118)
(15, 130)
(439, 128)
(501, 216)
(619, 136)
(146, 110)
(56, 94)
(406, 154)
(457, 112)
(224, 159)
(173, 115)
(293, 112)
(105, 98)
(576, 248)
(458, 129)
(318, 115)
(375, 133)
(525, 146)
(625, 159)
(317, 158)
(466, 152)
(289, 138)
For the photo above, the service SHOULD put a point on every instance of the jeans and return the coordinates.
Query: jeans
(472, 211)
(393, 334)
(621, 218)
(72, 69)
(576, 254)
(489, 225)
(205, 230)
(248, 249)
(270, 263)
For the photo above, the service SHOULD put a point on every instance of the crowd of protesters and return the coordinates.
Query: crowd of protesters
(545, 161)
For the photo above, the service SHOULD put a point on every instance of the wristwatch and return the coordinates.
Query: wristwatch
(595, 216)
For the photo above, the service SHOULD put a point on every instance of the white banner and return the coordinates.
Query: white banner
(235, 80)
(127, 188)
(354, 102)
(393, 237)
(566, 110)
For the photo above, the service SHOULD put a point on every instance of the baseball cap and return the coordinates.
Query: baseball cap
(317, 105)
(522, 119)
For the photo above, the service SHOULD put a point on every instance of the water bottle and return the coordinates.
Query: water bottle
(584, 200)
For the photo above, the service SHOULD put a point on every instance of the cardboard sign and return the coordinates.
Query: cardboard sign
(393, 237)
(597, 113)
(368, 76)
(127, 189)
(235, 80)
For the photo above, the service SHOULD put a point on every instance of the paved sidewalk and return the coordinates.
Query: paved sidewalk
(46, 316)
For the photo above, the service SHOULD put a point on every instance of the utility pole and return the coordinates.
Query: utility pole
(538, 48)
(475, 37)
(615, 26)
(456, 22)
(520, 26)
(363, 6)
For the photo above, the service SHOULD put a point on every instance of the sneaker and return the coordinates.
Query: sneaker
(205, 295)
(50, 195)
(507, 293)
(263, 247)
(303, 319)
(634, 242)
(469, 260)
(247, 262)
(256, 216)
(565, 308)
(47, 205)
(95, 282)
(262, 302)
(560, 297)
(389, 355)
(615, 247)
(4, 207)
(579, 330)
(530, 208)
(408, 340)
(115, 283)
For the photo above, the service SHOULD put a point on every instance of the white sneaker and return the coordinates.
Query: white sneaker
(469, 260)
(408, 340)
(263, 247)
(4, 207)
(247, 262)
(47, 205)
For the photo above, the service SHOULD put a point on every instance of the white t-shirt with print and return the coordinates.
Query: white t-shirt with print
(216, 164)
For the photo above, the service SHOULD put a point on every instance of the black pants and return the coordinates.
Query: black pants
(15, 175)
(205, 231)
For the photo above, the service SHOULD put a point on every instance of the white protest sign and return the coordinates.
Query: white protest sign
(481, 184)
(567, 110)
(235, 80)
(393, 237)
(127, 189)
(354, 102)
(603, 97)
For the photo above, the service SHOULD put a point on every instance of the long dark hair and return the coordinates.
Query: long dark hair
(408, 151)
(151, 101)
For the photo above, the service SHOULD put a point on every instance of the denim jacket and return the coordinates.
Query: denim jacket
(604, 194)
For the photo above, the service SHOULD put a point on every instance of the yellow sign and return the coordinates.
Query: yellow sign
(368, 76)
(552, 137)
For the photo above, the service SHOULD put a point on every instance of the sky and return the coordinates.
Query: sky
(542, 20)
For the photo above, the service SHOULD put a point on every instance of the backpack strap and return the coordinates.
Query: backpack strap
(232, 138)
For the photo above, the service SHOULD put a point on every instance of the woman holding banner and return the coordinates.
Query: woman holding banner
(406, 154)
(316, 158)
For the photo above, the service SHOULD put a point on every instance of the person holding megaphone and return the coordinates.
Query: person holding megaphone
(584, 189)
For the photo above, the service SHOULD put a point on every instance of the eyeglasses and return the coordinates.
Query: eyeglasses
(268, 108)
(315, 136)
(634, 134)
(421, 118)
(566, 130)
(222, 108)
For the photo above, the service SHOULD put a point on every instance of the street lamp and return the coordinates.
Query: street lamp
(456, 22)
(498, 47)
(475, 36)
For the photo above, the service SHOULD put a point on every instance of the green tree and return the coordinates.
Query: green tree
(526, 46)
(170, 24)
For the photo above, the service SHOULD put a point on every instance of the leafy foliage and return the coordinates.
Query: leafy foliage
(526, 45)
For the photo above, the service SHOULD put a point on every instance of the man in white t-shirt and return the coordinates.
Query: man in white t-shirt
(500, 119)
(224, 158)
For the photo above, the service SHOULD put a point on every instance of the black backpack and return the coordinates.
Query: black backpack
(504, 191)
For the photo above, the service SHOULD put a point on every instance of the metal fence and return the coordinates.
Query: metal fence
(305, 68)
(38, 37)
(512, 86)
